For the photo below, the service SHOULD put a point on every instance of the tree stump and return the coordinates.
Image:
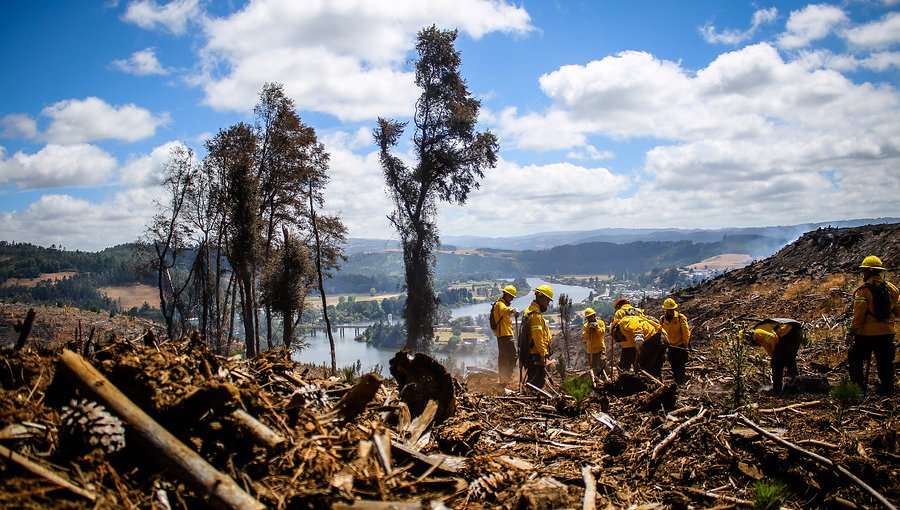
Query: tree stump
(421, 379)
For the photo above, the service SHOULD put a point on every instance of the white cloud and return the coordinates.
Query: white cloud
(148, 170)
(879, 34)
(172, 17)
(809, 24)
(18, 125)
(343, 58)
(141, 63)
(58, 166)
(733, 36)
(878, 62)
(74, 223)
(74, 121)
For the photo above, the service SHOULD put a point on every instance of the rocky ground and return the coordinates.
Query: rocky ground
(270, 433)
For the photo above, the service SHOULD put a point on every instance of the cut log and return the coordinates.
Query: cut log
(663, 397)
(216, 489)
(447, 463)
(672, 435)
(260, 432)
(45, 473)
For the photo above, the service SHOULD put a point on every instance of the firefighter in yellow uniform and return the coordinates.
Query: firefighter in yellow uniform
(503, 313)
(534, 342)
(679, 336)
(781, 339)
(643, 343)
(623, 307)
(876, 307)
(593, 331)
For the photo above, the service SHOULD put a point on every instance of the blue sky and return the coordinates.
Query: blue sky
(700, 114)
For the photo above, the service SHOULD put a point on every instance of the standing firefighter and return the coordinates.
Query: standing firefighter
(643, 340)
(534, 337)
(593, 332)
(781, 339)
(679, 334)
(876, 305)
(501, 322)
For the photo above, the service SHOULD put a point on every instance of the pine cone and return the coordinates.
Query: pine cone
(87, 425)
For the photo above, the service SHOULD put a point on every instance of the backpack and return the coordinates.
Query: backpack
(525, 341)
(491, 320)
(882, 300)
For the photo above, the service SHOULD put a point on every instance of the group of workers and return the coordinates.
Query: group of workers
(646, 340)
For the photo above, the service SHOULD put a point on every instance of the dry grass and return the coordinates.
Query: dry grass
(129, 296)
(32, 282)
(724, 261)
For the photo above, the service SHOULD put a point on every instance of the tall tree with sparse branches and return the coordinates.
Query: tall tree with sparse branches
(451, 157)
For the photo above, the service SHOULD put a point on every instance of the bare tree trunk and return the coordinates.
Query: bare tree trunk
(315, 227)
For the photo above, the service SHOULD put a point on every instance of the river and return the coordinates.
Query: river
(348, 351)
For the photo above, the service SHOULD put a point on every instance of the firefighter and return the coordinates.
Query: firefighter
(623, 307)
(534, 348)
(593, 331)
(781, 339)
(679, 335)
(502, 314)
(876, 306)
(643, 342)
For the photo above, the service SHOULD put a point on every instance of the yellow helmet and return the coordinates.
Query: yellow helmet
(669, 304)
(510, 289)
(872, 262)
(545, 291)
(588, 312)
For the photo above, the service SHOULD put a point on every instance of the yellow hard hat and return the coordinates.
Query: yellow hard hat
(588, 312)
(669, 304)
(511, 290)
(545, 291)
(872, 262)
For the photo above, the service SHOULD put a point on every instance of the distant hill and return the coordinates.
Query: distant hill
(545, 240)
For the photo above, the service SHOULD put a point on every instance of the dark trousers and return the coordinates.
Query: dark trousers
(598, 363)
(626, 360)
(535, 370)
(678, 357)
(860, 353)
(506, 361)
(653, 355)
(785, 357)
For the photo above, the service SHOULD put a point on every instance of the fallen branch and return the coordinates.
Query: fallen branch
(590, 488)
(216, 489)
(45, 473)
(672, 435)
(822, 460)
(790, 407)
(713, 495)
(260, 431)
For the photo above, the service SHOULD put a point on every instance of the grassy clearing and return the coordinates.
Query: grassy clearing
(32, 282)
(130, 296)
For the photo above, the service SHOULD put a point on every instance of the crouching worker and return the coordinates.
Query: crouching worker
(593, 332)
(534, 337)
(643, 340)
(781, 339)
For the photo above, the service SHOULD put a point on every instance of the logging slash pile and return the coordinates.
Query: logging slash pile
(174, 426)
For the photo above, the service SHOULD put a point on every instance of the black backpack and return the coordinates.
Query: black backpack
(882, 298)
(491, 320)
(525, 341)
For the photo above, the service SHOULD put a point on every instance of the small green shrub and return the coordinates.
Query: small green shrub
(769, 494)
(578, 387)
(845, 394)
(351, 373)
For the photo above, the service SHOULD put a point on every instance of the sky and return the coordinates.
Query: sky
(696, 114)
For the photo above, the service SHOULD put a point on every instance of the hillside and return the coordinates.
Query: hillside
(810, 280)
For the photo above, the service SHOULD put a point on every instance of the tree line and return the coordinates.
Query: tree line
(239, 240)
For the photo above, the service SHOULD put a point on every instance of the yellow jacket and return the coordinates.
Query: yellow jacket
(864, 321)
(594, 337)
(540, 330)
(677, 329)
(633, 325)
(623, 311)
(770, 334)
(502, 316)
